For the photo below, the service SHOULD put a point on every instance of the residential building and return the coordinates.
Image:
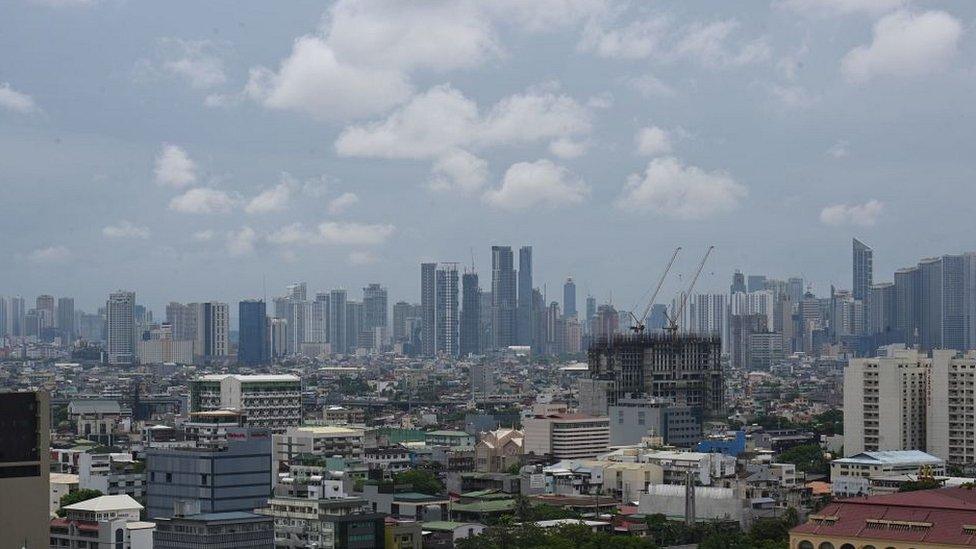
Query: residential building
(161, 348)
(525, 332)
(470, 330)
(455, 439)
(428, 308)
(503, 296)
(325, 441)
(446, 310)
(566, 436)
(851, 476)
(188, 528)
(863, 271)
(105, 522)
(24, 468)
(253, 346)
(121, 329)
(271, 401)
(66, 319)
(112, 473)
(338, 327)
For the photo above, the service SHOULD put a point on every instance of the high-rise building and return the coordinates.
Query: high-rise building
(755, 283)
(253, 344)
(863, 269)
(66, 318)
(45, 311)
(25, 469)
(590, 309)
(907, 303)
(16, 311)
(4, 317)
(319, 319)
(213, 329)
(446, 305)
(428, 297)
(503, 297)
(524, 332)
(297, 291)
(880, 310)
(569, 298)
(738, 283)
(278, 337)
(708, 315)
(355, 336)
(485, 322)
(795, 289)
(470, 343)
(401, 312)
(375, 309)
(337, 321)
(183, 319)
(121, 334)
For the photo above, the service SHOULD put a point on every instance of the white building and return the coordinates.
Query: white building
(120, 322)
(851, 476)
(105, 522)
(325, 441)
(566, 436)
(271, 401)
(113, 473)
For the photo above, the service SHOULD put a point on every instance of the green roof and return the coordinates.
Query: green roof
(417, 496)
(485, 506)
(486, 494)
(449, 434)
(444, 525)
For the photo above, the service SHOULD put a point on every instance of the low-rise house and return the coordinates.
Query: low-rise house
(445, 534)
(103, 522)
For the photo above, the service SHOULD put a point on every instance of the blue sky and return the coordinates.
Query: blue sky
(193, 150)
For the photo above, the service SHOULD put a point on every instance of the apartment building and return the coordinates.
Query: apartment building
(269, 401)
(566, 436)
(325, 441)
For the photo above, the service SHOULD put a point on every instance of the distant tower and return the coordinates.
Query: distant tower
(337, 321)
(569, 298)
(253, 335)
(428, 296)
(120, 320)
(738, 283)
(503, 296)
(66, 318)
(470, 314)
(446, 336)
(863, 269)
(524, 326)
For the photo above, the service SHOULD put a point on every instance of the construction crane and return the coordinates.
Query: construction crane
(639, 323)
(672, 327)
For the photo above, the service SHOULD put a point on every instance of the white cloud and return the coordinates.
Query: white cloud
(241, 242)
(539, 184)
(824, 8)
(839, 149)
(202, 200)
(566, 148)
(708, 44)
(174, 167)
(362, 257)
(342, 203)
(295, 233)
(125, 229)
(458, 170)
(792, 97)
(355, 234)
(670, 189)
(652, 141)
(639, 39)
(193, 60)
(204, 236)
(442, 120)
(64, 3)
(863, 215)
(16, 101)
(650, 86)
(905, 44)
(50, 255)
(274, 199)
(544, 15)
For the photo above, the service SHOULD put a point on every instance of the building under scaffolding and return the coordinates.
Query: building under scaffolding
(686, 368)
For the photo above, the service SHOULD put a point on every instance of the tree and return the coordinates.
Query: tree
(77, 497)
(808, 458)
(923, 483)
(422, 481)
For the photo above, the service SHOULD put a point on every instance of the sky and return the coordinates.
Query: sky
(220, 150)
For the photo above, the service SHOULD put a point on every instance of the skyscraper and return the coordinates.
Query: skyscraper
(470, 315)
(447, 320)
(795, 289)
(756, 283)
(503, 296)
(319, 318)
(213, 328)
(401, 312)
(354, 327)
(45, 311)
(569, 298)
(121, 342)
(863, 269)
(183, 320)
(337, 321)
(525, 334)
(880, 309)
(375, 310)
(738, 283)
(253, 345)
(66, 318)
(590, 308)
(907, 304)
(428, 295)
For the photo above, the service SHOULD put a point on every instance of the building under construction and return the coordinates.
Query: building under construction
(686, 368)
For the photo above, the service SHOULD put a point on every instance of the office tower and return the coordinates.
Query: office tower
(880, 310)
(503, 296)
(213, 327)
(354, 327)
(121, 335)
(742, 327)
(907, 297)
(319, 319)
(738, 283)
(297, 291)
(375, 310)
(485, 322)
(846, 315)
(4, 317)
(32, 324)
(954, 311)
(686, 368)
(944, 303)
(45, 311)
(884, 403)
(569, 298)
(756, 283)
(863, 269)
(795, 289)
(590, 308)
(230, 476)
(524, 332)
(784, 322)
(657, 319)
(25, 456)
(278, 336)
(269, 401)
(252, 322)
(446, 314)
(337, 321)
(969, 298)
(66, 318)
(160, 347)
(555, 331)
(402, 311)
(16, 311)
(930, 303)
(183, 319)
(428, 297)
(470, 343)
(539, 322)
(574, 335)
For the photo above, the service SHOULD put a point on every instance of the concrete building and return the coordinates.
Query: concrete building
(233, 476)
(271, 401)
(338, 325)
(633, 419)
(566, 436)
(112, 473)
(428, 308)
(503, 297)
(325, 441)
(105, 522)
(121, 328)
(253, 347)
(496, 451)
(525, 330)
(62, 484)
(188, 528)
(24, 464)
(863, 270)
(470, 330)
(102, 421)
(851, 476)
(446, 313)
(483, 378)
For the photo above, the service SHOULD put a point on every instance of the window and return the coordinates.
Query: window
(805, 545)
(826, 545)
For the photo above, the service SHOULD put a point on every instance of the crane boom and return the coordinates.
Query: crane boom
(673, 326)
(639, 323)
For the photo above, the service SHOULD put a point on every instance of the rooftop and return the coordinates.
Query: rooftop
(892, 457)
(251, 378)
(106, 503)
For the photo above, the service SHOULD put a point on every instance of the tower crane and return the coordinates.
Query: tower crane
(672, 327)
(638, 325)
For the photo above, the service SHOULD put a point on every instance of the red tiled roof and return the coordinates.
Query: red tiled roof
(929, 516)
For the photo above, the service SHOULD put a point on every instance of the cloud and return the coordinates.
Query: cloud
(839, 149)
(652, 141)
(458, 170)
(16, 101)
(50, 255)
(202, 200)
(566, 148)
(125, 229)
(274, 199)
(442, 120)
(355, 234)
(905, 44)
(544, 15)
(863, 215)
(650, 86)
(193, 60)
(241, 242)
(671, 189)
(362, 257)
(639, 39)
(174, 167)
(204, 236)
(792, 97)
(707, 44)
(295, 233)
(539, 184)
(64, 3)
(342, 203)
(825, 8)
